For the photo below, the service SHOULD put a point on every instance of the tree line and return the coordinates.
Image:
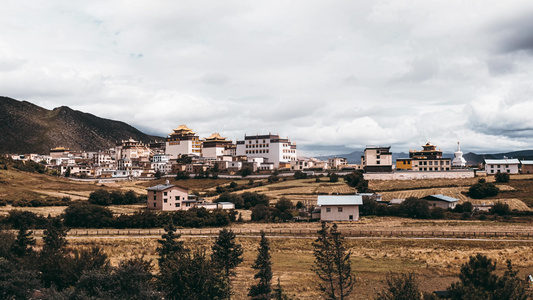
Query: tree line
(87, 215)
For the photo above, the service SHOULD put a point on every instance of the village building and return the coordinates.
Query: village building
(441, 201)
(377, 159)
(339, 207)
(505, 165)
(337, 162)
(58, 152)
(168, 197)
(277, 150)
(131, 149)
(219, 205)
(527, 166)
(215, 146)
(183, 141)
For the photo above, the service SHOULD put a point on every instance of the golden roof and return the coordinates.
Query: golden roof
(182, 130)
(215, 137)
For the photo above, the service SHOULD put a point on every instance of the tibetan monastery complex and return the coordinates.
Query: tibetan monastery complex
(185, 151)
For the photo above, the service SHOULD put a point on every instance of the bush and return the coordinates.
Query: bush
(182, 176)
(483, 189)
(260, 213)
(437, 213)
(300, 175)
(415, 208)
(501, 209)
(100, 197)
(273, 178)
(87, 215)
(233, 198)
(252, 199)
(333, 177)
(502, 177)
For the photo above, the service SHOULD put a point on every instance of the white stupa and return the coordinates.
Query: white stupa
(458, 161)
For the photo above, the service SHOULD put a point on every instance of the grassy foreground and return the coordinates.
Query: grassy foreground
(436, 262)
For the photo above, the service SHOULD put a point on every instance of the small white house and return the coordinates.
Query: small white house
(339, 207)
(506, 165)
(441, 201)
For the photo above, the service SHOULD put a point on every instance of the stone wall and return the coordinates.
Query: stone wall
(410, 175)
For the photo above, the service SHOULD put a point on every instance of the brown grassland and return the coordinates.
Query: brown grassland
(435, 261)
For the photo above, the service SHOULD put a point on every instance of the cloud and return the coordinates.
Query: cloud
(342, 73)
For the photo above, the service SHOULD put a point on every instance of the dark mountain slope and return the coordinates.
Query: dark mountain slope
(28, 128)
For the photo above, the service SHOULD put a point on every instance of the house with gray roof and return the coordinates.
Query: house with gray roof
(339, 207)
(169, 197)
(441, 201)
(505, 165)
(527, 166)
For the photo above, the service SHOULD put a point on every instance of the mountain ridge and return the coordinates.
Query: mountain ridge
(29, 128)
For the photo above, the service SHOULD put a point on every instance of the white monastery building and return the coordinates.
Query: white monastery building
(183, 141)
(275, 149)
(505, 165)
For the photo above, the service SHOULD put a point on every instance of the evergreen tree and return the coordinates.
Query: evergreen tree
(401, 286)
(170, 245)
(332, 263)
(54, 236)
(263, 265)
(24, 243)
(479, 282)
(194, 276)
(226, 253)
(279, 293)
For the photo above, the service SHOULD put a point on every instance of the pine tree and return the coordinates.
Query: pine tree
(279, 293)
(23, 243)
(54, 236)
(263, 265)
(170, 245)
(332, 263)
(226, 253)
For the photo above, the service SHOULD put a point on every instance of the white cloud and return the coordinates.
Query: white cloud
(337, 73)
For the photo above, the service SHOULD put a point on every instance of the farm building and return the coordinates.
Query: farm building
(168, 197)
(339, 208)
(219, 205)
(506, 165)
(441, 201)
(527, 166)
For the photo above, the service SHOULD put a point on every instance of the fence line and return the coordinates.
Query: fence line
(303, 232)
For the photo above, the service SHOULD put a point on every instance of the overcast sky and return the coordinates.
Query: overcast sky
(326, 74)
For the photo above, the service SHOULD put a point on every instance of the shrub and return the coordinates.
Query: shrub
(415, 208)
(502, 177)
(501, 209)
(300, 175)
(273, 178)
(87, 215)
(252, 199)
(437, 213)
(483, 189)
(100, 197)
(260, 213)
(333, 177)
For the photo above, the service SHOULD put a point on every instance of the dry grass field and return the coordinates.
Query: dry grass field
(436, 262)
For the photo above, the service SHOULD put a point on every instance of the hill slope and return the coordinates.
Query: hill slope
(28, 128)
